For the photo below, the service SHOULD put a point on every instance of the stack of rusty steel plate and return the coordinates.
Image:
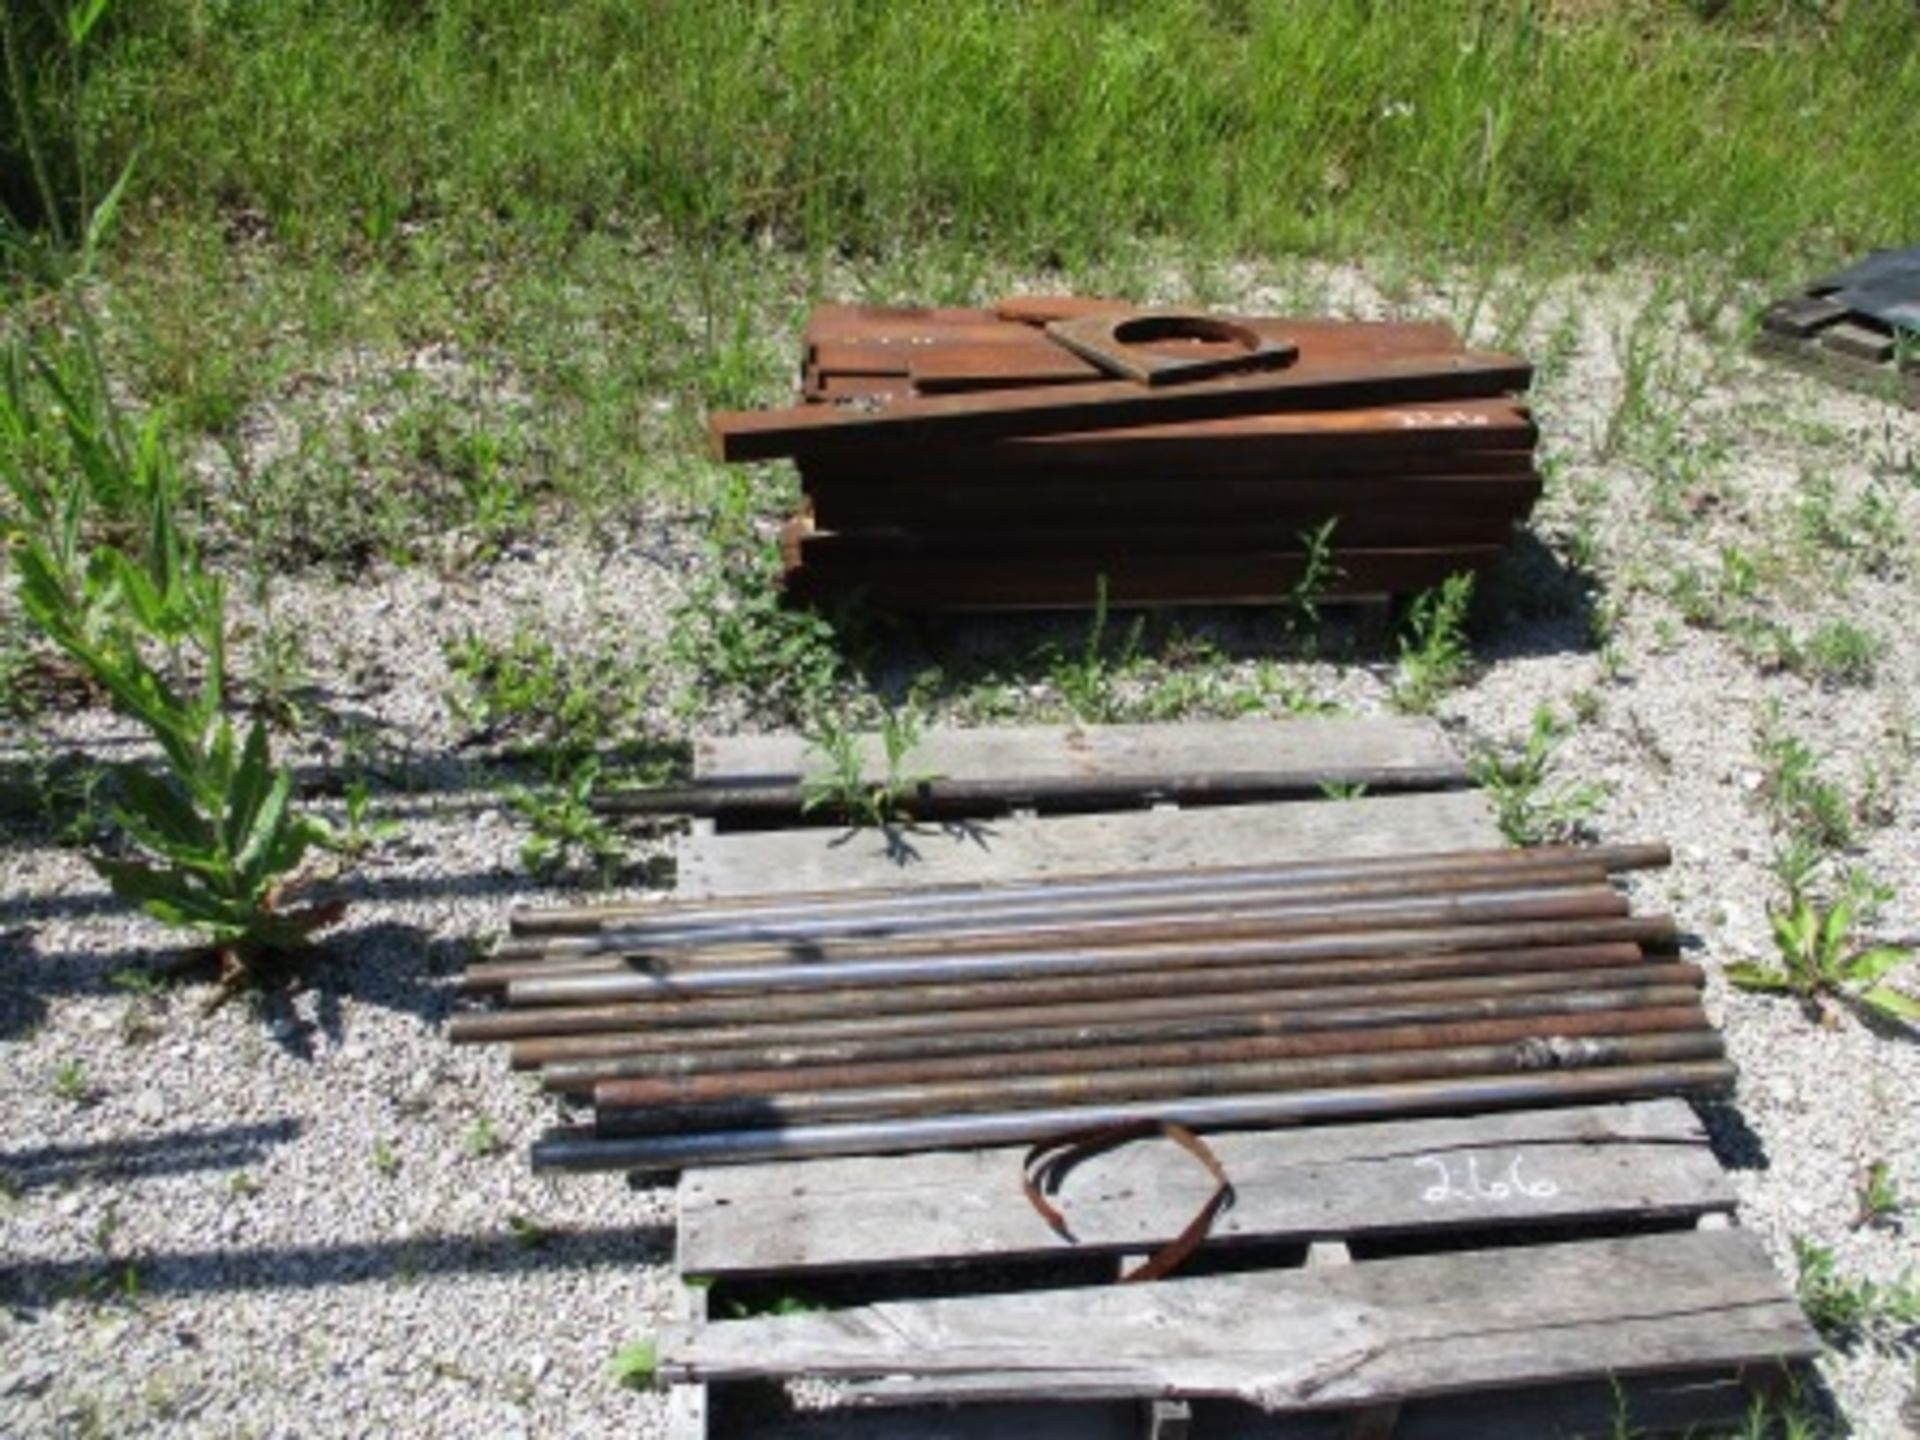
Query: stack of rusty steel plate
(1032, 455)
(889, 1021)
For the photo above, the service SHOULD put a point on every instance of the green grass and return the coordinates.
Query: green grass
(1037, 131)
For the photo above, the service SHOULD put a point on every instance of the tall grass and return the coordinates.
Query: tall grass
(1036, 130)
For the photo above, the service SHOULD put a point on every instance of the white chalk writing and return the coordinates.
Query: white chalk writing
(1458, 1178)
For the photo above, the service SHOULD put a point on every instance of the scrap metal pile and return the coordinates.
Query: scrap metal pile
(1025, 456)
(885, 1021)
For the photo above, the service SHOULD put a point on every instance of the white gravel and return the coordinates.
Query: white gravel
(316, 1217)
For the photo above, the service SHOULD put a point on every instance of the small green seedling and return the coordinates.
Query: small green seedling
(1849, 1309)
(1880, 1200)
(1434, 654)
(1528, 809)
(385, 1159)
(566, 826)
(843, 787)
(637, 1363)
(1820, 968)
(483, 1139)
(527, 1233)
(70, 1083)
(364, 832)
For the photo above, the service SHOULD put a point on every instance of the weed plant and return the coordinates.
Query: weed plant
(1820, 966)
(1434, 653)
(842, 784)
(109, 574)
(1529, 809)
(565, 826)
(1850, 1310)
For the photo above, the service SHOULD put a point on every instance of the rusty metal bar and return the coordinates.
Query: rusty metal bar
(1208, 920)
(1052, 410)
(937, 927)
(674, 914)
(1235, 1069)
(565, 1057)
(1450, 925)
(940, 797)
(1093, 1028)
(577, 1150)
(836, 1016)
(1218, 1039)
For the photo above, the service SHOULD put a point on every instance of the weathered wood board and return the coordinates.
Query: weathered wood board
(1302, 1339)
(1019, 752)
(1882, 379)
(1024, 847)
(1644, 1161)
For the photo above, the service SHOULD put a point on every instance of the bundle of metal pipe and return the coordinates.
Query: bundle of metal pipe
(885, 1020)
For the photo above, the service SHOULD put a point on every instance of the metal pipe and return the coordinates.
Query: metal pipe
(750, 1020)
(676, 913)
(1220, 1040)
(1242, 1068)
(1011, 1027)
(784, 797)
(609, 950)
(1212, 1017)
(578, 1150)
(938, 933)
(1453, 926)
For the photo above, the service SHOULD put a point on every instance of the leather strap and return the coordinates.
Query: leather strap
(1047, 1163)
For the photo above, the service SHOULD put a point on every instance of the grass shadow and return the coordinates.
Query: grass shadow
(30, 1286)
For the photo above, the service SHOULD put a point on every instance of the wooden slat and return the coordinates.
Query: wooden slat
(1646, 1160)
(1306, 1339)
(771, 434)
(1882, 381)
(1016, 752)
(1017, 848)
(1801, 316)
(1686, 1404)
(1862, 342)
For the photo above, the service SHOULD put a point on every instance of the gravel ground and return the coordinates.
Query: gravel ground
(313, 1216)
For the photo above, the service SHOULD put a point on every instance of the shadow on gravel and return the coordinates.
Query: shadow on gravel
(224, 1147)
(1532, 603)
(1735, 1144)
(32, 975)
(36, 1285)
(394, 966)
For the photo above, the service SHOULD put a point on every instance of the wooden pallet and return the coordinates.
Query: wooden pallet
(1824, 338)
(1522, 1274)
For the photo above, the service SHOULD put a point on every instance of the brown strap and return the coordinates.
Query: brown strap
(1048, 1162)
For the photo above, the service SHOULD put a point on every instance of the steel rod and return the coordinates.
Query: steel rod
(833, 1016)
(935, 926)
(943, 797)
(1451, 926)
(1242, 1067)
(1218, 1040)
(1613, 859)
(573, 1149)
(1011, 1028)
